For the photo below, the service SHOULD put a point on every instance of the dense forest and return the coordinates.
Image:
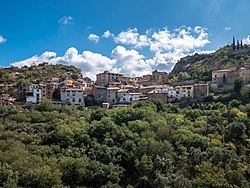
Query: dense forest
(149, 144)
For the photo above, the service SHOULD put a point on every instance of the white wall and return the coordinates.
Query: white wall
(73, 97)
(128, 97)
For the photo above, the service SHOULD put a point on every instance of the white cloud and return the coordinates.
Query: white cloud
(66, 20)
(166, 47)
(183, 40)
(45, 57)
(128, 37)
(246, 40)
(89, 62)
(107, 34)
(132, 37)
(2, 39)
(93, 37)
(227, 28)
(129, 62)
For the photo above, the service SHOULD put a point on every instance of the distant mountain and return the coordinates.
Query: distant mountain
(200, 66)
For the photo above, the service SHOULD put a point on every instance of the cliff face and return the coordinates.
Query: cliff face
(200, 66)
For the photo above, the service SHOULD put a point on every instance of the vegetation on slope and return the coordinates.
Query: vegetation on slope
(147, 145)
(13, 77)
(200, 66)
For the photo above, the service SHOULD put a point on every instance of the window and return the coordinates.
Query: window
(79, 100)
(73, 100)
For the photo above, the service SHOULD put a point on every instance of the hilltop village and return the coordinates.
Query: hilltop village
(65, 85)
(114, 89)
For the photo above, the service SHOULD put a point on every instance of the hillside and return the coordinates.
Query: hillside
(13, 77)
(200, 66)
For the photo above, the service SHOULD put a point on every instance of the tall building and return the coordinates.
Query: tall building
(106, 78)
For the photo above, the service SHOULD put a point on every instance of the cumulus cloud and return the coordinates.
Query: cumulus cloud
(107, 34)
(2, 39)
(45, 57)
(89, 62)
(165, 47)
(132, 37)
(183, 40)
(66, 20)
(93, 37)
(129, 62)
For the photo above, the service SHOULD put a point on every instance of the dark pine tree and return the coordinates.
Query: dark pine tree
(238, 45)
(233, 43)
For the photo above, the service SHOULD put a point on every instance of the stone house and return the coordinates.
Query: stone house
(112, 95)
(200, 91)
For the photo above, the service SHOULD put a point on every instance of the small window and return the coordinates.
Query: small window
(73, 100)
(80, 100)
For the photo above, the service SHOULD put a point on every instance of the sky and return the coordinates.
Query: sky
(133, 37)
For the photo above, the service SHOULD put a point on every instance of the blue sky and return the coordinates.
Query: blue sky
(141, 32)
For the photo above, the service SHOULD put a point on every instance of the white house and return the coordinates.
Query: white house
(187, 92)
(174, 93)
(182, 92)
(72, 95)
(34, 95)
(126, 97)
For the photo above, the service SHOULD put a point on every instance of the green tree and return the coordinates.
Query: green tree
(238, 84)
(45, 105)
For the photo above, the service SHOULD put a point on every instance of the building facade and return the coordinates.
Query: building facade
(72, 96)
(100, 94)
(105, 78)
(112, 95)
(124, 96)
(201, 91)
(34, 95)
(221, 78)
